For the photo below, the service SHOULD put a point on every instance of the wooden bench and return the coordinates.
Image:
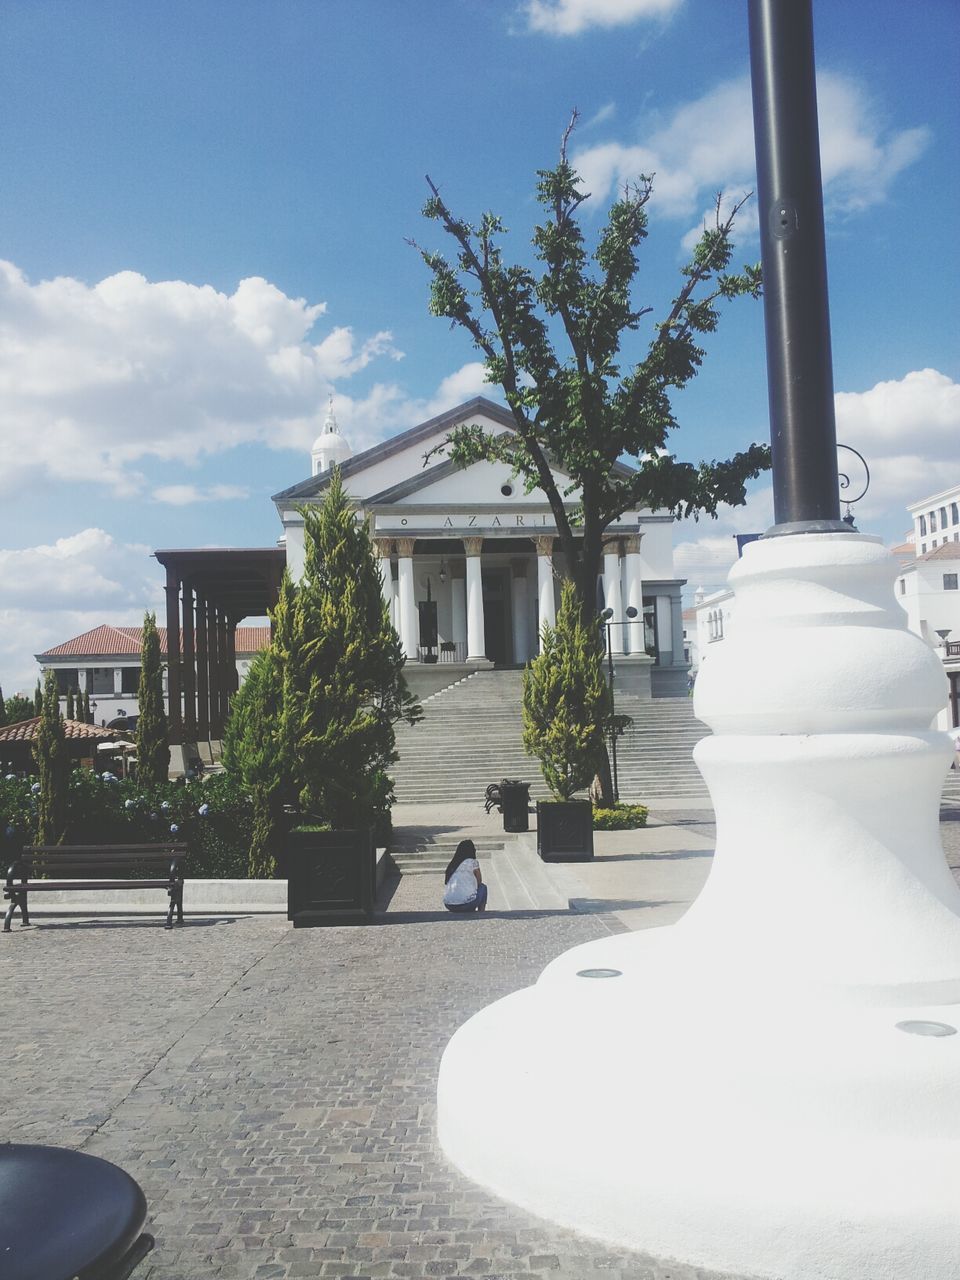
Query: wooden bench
(45, 868)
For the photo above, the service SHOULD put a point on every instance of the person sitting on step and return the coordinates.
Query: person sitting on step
(464, 889)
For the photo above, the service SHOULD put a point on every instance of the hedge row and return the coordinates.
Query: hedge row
(212, 817)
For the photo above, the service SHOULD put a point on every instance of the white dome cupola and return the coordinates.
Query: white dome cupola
(329, 446)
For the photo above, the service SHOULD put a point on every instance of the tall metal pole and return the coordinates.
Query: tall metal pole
(796, 313)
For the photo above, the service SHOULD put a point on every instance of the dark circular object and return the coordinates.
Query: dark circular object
(63, 1212)
(923, 1027)
(599, 973)
(507, 490)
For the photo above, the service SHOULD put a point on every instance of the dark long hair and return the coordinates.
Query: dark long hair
(465, 849)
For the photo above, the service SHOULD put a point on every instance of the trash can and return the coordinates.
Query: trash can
(515, 804)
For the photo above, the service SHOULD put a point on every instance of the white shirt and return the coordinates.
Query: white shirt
(462, 885)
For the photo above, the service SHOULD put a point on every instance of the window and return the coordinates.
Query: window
(923, 526)
(130, 680)
(954, 514)
(949, 582)
(903, 586)
(923, 548)
(933, 521)
(943, 517)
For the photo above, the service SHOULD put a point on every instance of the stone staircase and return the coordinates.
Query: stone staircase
(425, 856)
(470, 737)
(655, 756)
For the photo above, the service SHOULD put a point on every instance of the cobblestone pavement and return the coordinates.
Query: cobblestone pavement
(273, 1090)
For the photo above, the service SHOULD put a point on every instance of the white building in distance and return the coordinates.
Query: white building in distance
(471, 563)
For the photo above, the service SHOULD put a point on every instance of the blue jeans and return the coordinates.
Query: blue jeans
(475, 904)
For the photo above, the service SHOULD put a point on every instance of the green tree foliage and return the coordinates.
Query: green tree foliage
(38, 699)
(70, 712)
(87, 715)
(3, 709)
(566, 701)
(20, 708)
(153, 751)
(344, 688)
(254, 746)
(551, 338)
(50, 753)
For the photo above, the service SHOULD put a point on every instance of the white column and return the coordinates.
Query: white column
(82, 679)
(118, 680)
(458, 611)
(612, 594)
(521, 634)
(384, 546)
(633, 576)
(547, 612)
(476, 640)
(406, 602)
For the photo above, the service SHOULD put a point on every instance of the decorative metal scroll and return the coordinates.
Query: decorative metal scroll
(845, 482)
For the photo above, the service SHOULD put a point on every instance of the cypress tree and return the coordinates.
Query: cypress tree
(566, 702)
(254, 745)
(87, 716)
(38, 699)
(153, 751)
(344, 688)
(50, 753)
(3, 709)
(70, 713)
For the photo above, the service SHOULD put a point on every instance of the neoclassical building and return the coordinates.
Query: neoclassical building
(470, 563)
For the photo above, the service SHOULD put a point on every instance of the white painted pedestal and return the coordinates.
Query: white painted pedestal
(741, 1095)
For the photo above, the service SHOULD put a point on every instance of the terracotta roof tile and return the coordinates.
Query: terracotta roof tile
(26, 730)
(119, 642)
(948, 551)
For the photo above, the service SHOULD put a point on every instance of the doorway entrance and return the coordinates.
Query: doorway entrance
(497, 636)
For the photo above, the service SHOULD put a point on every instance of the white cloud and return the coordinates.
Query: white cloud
(571, 17)
(59, 590)
(183, 495)
(707, 146)
(97, 380)
(908, 430)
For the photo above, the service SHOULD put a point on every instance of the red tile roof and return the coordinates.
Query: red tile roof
(26, 730)
(118, 642)
(946, 551)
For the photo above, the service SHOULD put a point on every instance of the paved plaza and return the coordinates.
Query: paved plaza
(273, 1090)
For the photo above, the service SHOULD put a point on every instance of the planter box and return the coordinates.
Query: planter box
(565, 830)
(331, 877)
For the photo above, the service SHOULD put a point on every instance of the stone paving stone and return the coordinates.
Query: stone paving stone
(273, 1090)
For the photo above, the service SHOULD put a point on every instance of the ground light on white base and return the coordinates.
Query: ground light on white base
(771, 1087)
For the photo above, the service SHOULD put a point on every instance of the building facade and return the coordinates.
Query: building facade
(105, 663)
(471, 563)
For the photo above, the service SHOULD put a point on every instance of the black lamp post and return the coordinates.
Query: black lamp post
(607, 615)
(796, 314)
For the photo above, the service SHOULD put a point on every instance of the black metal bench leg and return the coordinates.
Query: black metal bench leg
(24, 912)
(180, 906)
(9, 916)
(169, 923)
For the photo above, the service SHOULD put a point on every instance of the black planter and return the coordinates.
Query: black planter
(330, 877)
(565, 830)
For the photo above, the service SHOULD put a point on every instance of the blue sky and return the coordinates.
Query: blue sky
(202, 229)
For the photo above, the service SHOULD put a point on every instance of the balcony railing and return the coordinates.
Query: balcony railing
(953, 648)
(445, 651)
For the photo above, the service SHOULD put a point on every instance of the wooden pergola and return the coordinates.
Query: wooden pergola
(209, 591)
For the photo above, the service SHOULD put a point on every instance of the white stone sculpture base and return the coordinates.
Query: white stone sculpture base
(738, 1094)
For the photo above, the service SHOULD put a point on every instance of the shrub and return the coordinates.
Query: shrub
(622, 817)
